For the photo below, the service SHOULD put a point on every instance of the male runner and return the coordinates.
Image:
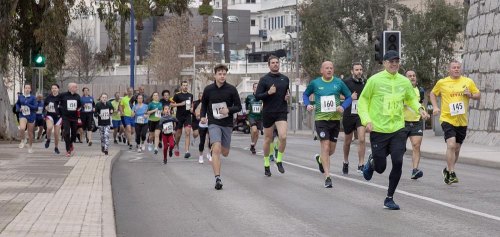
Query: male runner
(69, 107)
(254, 107)
(183, 101)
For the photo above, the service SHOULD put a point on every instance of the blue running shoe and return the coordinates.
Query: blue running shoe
(390, 204)
(368, 169)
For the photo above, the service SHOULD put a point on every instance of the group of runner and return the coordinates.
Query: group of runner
(388, 106)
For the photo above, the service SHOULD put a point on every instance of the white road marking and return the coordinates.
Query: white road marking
(136, 159)
(435, 201)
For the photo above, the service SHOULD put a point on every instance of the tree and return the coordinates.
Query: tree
(205, 10)
(175, 36)
(429, 38)
(350, 33)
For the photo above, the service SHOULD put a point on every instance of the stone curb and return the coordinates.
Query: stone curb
(108, 211)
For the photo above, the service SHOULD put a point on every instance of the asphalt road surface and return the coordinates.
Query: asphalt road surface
(179, 199)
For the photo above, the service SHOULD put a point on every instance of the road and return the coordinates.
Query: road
(179, 199)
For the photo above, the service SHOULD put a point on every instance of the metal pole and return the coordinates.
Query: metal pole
(194, 70)
(246, 64)
(297, 62)
(132, 44)
(40, 81)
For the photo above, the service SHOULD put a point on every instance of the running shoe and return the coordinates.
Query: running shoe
(390, 204)
(453, 177)
(150, 147)
(170, 152)
(21, 144)
(47, 143)
(106, 153)
(345, 168)
(56, 150)
(139, 149)
(177, 153)
(187, 155)
(218, 184)
(130, 146)
(209, 157)
(165, 161)
(328, 182)
(68, 154)
(267, 171)
(116, 142)
(320, 166)
(280, 167)
(30, 150)
(416, 174)
(360, 168)
(156, 151)
(200, 159)
(446, 176)
(119, 138)
(368, 169)
(252, 149)
(271, 158)
(90, 143)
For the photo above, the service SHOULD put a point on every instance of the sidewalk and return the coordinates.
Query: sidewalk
(434, 147)
(44, 194)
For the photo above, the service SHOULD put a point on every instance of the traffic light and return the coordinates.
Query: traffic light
(392, 41)
(39, 60)
(378, 49)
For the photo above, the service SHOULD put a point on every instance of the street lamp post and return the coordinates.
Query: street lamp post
(247, 51)
(132, 45)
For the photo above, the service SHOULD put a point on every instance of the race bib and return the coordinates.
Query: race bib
(354, 107)
(25, 110)
(216, 109)
(256, 108)
(40, 110)
(104, 114)
(87, 107)
(140, 119)
(51, 108)
(328, 103)
(158, 114)
(457, 108)
(168, 127)
(188, 104)
(71, 105)
(392, 105)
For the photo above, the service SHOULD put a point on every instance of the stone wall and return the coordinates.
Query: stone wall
(482, 64)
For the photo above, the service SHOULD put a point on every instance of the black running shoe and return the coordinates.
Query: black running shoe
(267, 171)
(446, 176)
(360, 168)
(119, 138)
(328, 182)
(90, 143)
(106, 153)
(218, 184)
(170, 152)
(416, 173)
(187, 155)
(368, 169)
(280, 167)
(390, 204)
(252, 149)
(56, 150)
(320, 166)
(47, 143)
(345, 168)
(130, 146)
(116, 142)
(453, 177)
(165, 161)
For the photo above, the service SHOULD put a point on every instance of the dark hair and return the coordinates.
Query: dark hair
(356, 64)
(271, 58)
(184, 82)
(220, 67)
(55, 85)
(83, 89)
(255, 83)
(154, 94)
(163, 92)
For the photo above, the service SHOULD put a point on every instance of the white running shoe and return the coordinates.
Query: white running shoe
(200, 159)
(150, 147)
(209, 157)
(21, 144)
(139, 149)
(143, 147)
(30, 150)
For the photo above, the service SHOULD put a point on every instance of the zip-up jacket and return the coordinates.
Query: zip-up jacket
(66, 105)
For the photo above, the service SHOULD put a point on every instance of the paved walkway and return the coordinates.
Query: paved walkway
(43, 194)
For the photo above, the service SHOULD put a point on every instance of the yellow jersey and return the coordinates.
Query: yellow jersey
(410, 114)
(454, 104)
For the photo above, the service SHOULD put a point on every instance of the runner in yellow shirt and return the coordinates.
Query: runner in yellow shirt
(455, 91)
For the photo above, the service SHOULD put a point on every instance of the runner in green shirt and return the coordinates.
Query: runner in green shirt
(380, 107)
(254, 107)
(155, 109)
(128, 120)
(116, 118)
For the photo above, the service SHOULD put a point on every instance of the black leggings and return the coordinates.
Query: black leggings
(69, 132)
(384, 144)
(141, 130)
(203, 135)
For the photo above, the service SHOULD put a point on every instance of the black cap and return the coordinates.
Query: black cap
(391, 54)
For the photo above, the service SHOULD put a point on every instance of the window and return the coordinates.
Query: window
(265, 23)
(282, 21)
(250, 1)
(252, 22)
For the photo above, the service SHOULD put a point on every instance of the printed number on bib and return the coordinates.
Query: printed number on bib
(140, 119)
(158, 113)
(51, 107)
(354, 107)
(168, 127)
(71, 105)
(457, 108)
(25, 110)
(87, 107)
(188, 104)
(392, 105)
(256, 108)
(40, 110)
(328, 104)
(104, 114)
(217, 108)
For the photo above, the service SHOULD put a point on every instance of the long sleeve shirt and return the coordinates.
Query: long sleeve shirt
(215, 98)
(69, 104)
(26, 105)
(276, 102)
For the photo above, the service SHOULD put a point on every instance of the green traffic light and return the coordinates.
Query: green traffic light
(39, 59)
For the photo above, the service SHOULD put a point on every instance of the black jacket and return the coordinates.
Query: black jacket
(276, 102)
(212, 94)
(354, 86)
(63, 105)
(103, 113)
